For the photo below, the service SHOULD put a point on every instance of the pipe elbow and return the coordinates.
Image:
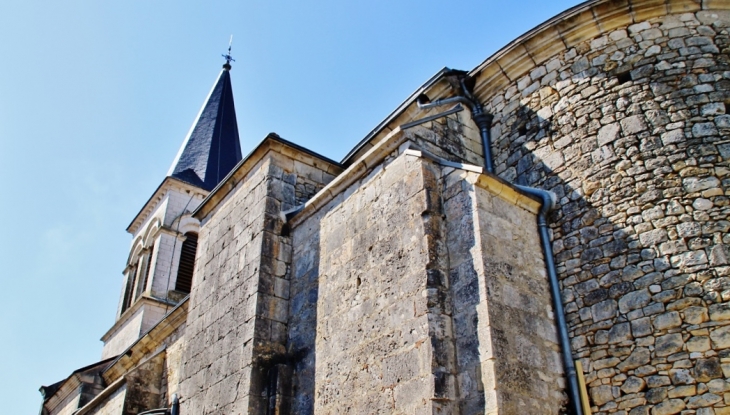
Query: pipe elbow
(549, 199)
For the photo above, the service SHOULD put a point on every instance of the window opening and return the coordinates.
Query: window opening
(148, 268)
(127, 302)
(187, 263)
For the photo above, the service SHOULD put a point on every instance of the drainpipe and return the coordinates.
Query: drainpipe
(484, 121)
(548, 203)
(175, 407)
(481, 119)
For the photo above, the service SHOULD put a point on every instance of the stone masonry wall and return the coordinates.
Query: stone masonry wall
(397, 307)
(113, 404)
(237, 323)
(383, 331)
(629, 130)
(218, 358)
(506, 341)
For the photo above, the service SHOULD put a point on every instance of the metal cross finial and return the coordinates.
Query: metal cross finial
(228, 56)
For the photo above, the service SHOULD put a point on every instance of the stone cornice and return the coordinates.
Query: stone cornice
(155, 199)
(566, 30)
(145, 299)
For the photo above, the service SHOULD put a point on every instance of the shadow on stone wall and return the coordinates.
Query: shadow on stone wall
(303, 325)
(637, 234)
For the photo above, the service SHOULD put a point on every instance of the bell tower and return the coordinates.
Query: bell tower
(159, 268)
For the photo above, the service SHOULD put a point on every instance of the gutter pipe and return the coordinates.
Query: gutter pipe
(548, 203)
(175, 408)
(484, 121)
(481, 119)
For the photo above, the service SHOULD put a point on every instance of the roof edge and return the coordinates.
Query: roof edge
(393, 115)
(216, 194)
(166, 180)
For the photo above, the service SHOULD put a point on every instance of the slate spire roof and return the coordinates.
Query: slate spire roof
(211, 148)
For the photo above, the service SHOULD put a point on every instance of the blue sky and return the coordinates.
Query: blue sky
(96, 97)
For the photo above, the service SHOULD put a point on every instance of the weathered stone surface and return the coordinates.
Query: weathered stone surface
(608, 133)
(633, 385)
(681, 377)
(667, 320)
(720, 337)
(633, 124)
(602, 394)
(634, 300)
(668, 344)
(707, 369)
(604, 310)
(672, 406)
(703, 400)
(640, 356)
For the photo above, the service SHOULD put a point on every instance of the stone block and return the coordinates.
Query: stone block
(639, 357)
(667, 320)
(698, 344)
(608, 134)
(602, 394)
(704, 129)
(669, 407)
(633, 384)
(634, 300)
(681, 377)
(682, 391)
(720, 312)
(703, 401)
(619, 333)
(633, 125)
(668, 344)
(707, 369)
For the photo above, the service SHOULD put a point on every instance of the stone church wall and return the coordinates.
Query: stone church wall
(508, 356)
(217, 363)
(383, 339)
(396, 306)
(237, 324)
(629, 129)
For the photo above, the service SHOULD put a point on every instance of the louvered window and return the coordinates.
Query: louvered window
(187, 263)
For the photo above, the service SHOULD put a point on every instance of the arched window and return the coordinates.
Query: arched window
(187, 263)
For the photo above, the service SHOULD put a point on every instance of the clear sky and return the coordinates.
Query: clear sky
(97, 96)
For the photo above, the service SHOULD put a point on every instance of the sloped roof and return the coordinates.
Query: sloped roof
(211, 148)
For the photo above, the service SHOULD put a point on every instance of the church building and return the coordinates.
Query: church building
(546, 233)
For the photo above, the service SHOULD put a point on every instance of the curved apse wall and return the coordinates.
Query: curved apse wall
(620, 109)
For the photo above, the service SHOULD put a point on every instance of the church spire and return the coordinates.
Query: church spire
(211, 148)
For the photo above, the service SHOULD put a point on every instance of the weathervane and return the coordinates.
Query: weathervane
(228, 56)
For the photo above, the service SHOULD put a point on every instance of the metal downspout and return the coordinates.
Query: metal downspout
(548, 203)
(481, 119)
(175, 407)
(484, 122)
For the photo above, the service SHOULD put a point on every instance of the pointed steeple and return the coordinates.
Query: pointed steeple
(211, 148)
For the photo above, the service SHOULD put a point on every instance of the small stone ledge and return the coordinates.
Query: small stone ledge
(128, 313)
(488, 182)
(146, 343)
